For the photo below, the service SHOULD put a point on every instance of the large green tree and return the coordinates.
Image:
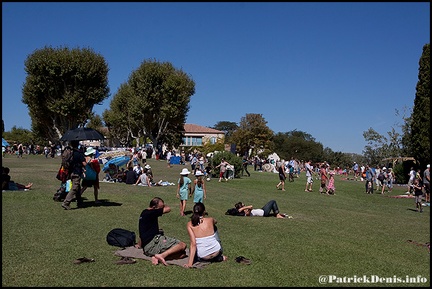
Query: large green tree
(228, 127)
(61, 88)
(253, 135)
(152, 104)
(298, 145)
(417, 137)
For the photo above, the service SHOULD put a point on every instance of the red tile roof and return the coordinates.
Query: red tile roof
(194, 128)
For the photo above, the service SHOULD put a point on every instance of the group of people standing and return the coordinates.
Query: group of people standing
(186, 188)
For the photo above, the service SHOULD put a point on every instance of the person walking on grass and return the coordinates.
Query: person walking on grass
(199, 190)
(183, 189)
(309, 178)
(91, 178)
(426, 184)
(418, 194)
(282, 177)
(324, 179)
(245, 163)
(223, 168)
(76, 171)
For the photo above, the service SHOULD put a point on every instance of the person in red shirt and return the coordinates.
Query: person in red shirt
(91, 178)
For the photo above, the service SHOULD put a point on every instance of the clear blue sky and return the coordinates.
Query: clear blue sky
(332, 70)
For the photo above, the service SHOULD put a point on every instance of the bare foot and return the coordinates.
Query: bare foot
(224, 258)
(158, 257)
(154, 260)
(29, 185)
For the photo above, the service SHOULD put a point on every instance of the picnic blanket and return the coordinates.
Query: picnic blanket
(136, 253)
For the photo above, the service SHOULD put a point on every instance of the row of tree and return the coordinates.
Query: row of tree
(63, 85)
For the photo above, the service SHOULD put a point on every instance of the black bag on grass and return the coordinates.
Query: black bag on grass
(121, 238)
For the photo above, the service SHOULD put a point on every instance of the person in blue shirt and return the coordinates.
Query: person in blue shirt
(184, 189)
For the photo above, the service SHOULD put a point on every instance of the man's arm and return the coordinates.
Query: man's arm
(166, 209)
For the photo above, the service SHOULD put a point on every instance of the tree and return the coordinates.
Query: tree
(417, 140)
(19, 135)
(253, 133)
(95, 122)
(228, 127)
(373, 151)
(153, 103)
(298, 145)
(61, 88)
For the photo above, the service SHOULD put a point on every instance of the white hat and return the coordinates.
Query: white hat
(147, 167)
(199, 173)
(185, 171)
(384, 168)
(428, 166)
(90, 151)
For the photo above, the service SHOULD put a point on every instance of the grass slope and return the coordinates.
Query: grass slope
(347, 235)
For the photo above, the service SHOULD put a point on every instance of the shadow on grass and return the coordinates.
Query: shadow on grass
(414, 210)
(101, 203)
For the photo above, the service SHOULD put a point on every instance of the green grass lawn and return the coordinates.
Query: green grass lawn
(351, 234)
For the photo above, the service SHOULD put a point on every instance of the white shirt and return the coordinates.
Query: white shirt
(257, 212)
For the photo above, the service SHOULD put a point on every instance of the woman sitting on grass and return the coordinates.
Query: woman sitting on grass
(263, 212)
(204, 239)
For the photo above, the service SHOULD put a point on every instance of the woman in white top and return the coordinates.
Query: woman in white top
(204, 240)
(263, 212)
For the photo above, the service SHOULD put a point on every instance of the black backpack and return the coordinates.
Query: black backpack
(121, 238)
(67, 158)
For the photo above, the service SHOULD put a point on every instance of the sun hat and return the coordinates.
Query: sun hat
(90, 151)
(199, 173)
(147, 167)
(185, 171)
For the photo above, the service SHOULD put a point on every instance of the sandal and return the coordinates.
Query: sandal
(243, 260)
(125, 260)
(83, 260)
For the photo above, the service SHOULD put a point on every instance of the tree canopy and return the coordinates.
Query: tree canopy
(153, 103)
(61, 88)
(252, 134)
(228, 127)
(417, 139)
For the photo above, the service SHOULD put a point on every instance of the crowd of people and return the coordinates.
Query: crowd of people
(204, 241)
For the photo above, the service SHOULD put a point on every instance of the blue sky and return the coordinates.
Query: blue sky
(332, 70)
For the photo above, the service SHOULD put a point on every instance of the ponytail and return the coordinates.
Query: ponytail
(198, 212)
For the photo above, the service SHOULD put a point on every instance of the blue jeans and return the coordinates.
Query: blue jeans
(270, 206)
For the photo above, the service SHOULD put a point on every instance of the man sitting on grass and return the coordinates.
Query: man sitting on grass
(154, 244)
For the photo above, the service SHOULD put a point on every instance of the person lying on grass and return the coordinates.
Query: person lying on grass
(8, 184)
(265, 211)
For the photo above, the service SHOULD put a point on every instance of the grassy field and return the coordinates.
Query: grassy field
(349, 235)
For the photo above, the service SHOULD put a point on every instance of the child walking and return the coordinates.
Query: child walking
(199, 189)
(418, 193)
(331, 187)
(183, 189)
